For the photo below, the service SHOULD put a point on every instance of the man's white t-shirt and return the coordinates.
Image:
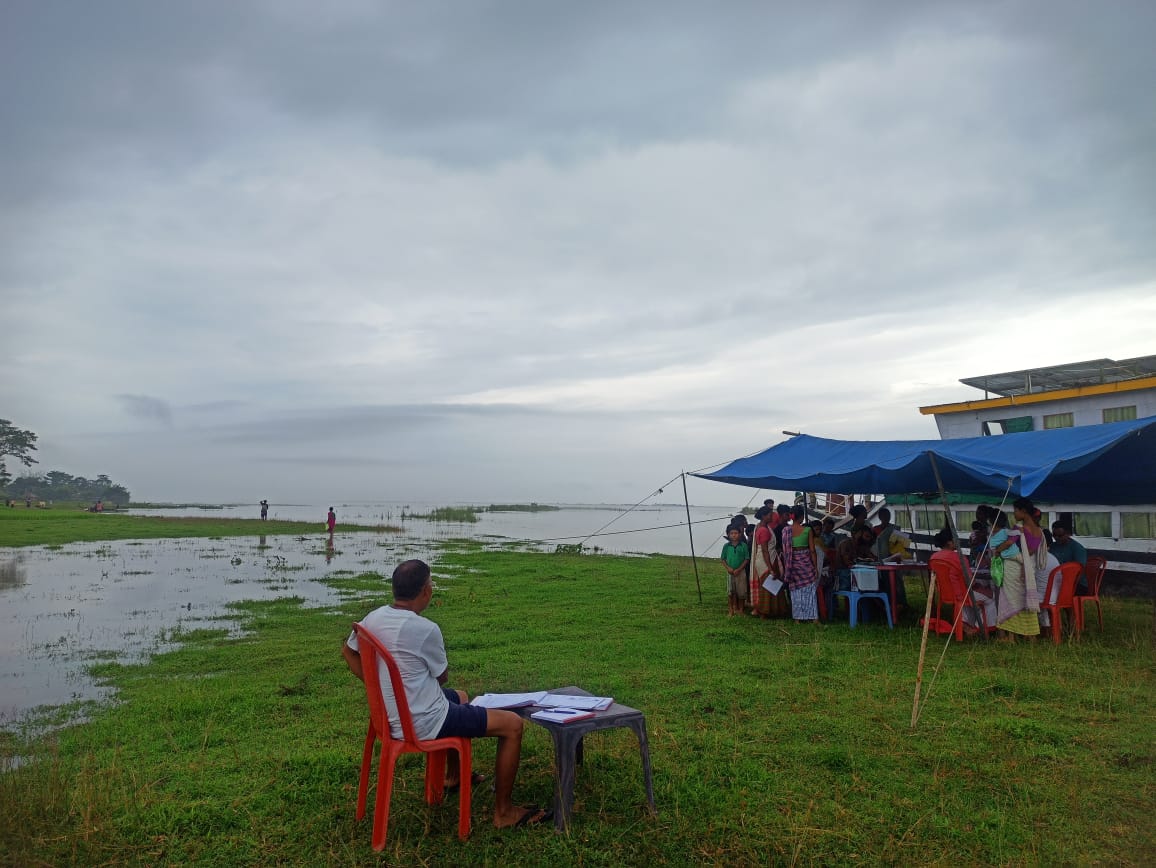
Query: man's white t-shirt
(417, 646)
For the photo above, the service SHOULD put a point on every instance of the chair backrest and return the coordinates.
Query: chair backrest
(1067, 575)
(946, 589)
(371, 651)
(1094, 570)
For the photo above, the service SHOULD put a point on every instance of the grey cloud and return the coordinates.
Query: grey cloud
(147, 407)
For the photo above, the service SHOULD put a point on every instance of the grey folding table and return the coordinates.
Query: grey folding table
(568, 749)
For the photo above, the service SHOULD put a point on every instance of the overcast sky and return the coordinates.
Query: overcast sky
(429, 251)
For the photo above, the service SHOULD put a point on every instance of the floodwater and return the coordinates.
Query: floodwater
(63, 608)
(652, 528)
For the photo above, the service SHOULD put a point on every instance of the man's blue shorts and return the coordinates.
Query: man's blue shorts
(467, 721)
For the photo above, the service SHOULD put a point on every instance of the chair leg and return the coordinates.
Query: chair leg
(366, 763)
(465, 770)
(435, 777)
(385, 770)
(853, 607)
(1099, 614)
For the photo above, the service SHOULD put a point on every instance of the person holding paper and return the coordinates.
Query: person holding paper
(764, 565)
(418, 648)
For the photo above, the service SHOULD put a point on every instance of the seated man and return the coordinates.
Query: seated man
(850, 551)
(1068, 551)
(417, 646)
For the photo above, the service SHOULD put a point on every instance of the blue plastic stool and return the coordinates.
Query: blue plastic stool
(854, 597)
(865, 586)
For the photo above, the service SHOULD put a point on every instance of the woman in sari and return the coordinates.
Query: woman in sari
(763, 562)
(800, 570)
(1019, 599)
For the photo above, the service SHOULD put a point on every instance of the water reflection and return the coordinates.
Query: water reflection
(12, 574)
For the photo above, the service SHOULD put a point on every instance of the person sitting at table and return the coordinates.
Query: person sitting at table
(892, 544)
(851, 551)
(859, 520)
(947, 568)
(1069, 551)
(438, 712)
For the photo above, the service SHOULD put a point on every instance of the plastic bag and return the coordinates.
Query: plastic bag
(997, 571)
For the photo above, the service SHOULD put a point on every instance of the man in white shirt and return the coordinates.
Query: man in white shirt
(439, 712)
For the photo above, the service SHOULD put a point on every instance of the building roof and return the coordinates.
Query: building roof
(1070, 376)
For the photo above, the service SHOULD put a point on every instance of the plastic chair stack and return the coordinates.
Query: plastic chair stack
(865, 586)
(1094, 571)
(1067, 575)
(435, 749)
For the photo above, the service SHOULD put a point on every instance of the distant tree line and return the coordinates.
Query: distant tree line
(56, 485)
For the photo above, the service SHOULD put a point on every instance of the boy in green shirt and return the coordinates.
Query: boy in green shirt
(736, 555)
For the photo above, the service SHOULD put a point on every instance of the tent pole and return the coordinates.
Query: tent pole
(690, 533)
(951, 523)
(922, 651)
(931, 584)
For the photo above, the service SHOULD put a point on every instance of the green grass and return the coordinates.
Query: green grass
(22, 527)
(771, 742)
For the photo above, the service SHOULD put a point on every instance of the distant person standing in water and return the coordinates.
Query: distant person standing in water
(264, 510)
(331, 520)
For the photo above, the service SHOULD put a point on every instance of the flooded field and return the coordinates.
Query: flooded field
(66, 607)
(63, 608)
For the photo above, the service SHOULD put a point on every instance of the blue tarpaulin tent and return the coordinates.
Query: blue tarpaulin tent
(1114, 463)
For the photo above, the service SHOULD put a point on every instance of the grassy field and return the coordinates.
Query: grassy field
(772, 742)
(24, 527)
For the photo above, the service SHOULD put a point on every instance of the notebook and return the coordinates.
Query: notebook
(561, 715)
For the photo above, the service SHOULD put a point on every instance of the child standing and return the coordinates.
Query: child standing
(736, 556)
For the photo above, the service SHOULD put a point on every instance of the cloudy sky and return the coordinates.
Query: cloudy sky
(463, 251)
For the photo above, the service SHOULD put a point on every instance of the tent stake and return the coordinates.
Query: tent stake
(690, 533)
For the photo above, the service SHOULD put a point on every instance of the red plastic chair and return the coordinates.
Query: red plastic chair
(1094, 570)
(435, 749)
(1067, 575)
(947, 595)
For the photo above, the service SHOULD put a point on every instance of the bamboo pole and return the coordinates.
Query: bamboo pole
(690, 533)
(922, 651)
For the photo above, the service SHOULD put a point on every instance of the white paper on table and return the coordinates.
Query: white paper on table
(772, 585)
(508, 700)
(584, 703)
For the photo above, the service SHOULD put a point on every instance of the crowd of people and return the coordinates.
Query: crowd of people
(813, 560)
(1012, 565)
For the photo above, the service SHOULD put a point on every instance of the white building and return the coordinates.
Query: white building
(1062, 396)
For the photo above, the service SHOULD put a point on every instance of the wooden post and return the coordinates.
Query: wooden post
(922, 650)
